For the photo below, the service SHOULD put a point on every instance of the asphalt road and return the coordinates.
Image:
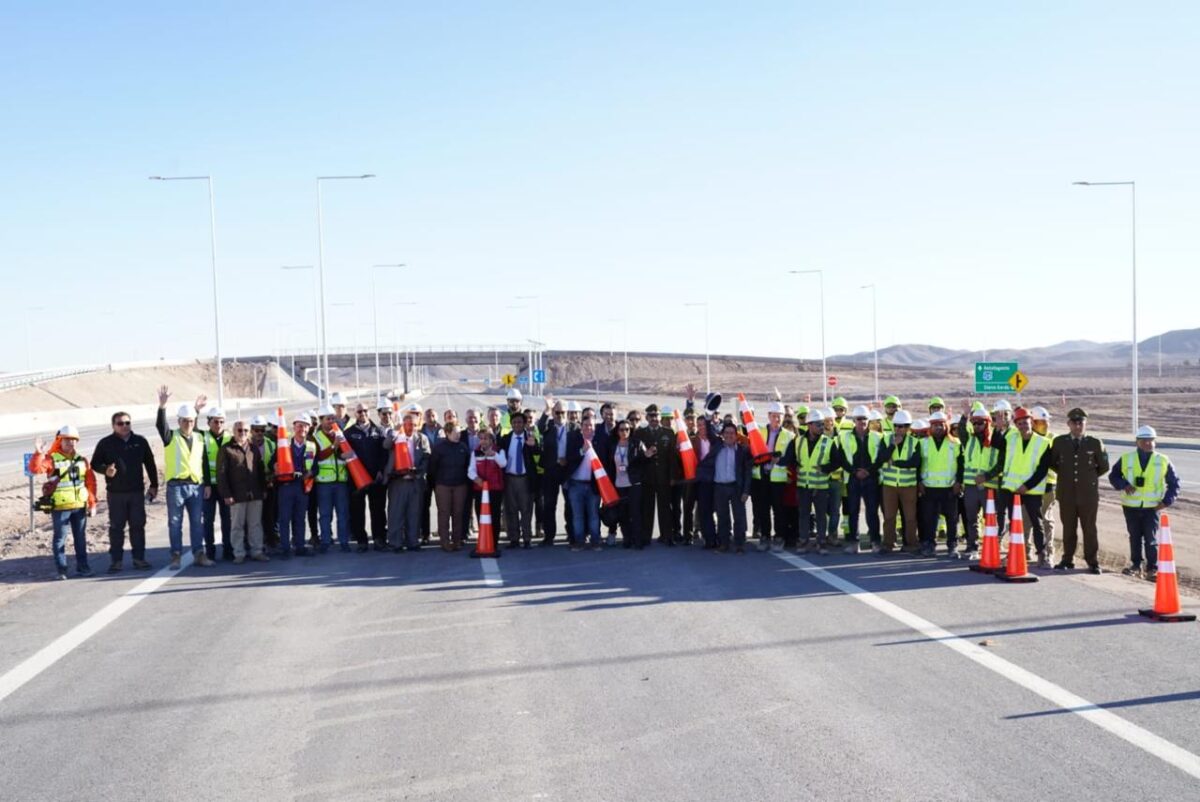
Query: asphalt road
(663, 674)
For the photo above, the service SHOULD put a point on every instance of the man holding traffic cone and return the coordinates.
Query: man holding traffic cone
(1166, 589)
(333, 482)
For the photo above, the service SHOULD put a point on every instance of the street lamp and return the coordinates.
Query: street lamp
(321, 268)
(375, 313)
(707, 373)
(410, 357)
(874, 336)
(1133, 228)
(824, 369)
(212, 234)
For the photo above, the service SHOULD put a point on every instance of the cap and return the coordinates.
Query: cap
(1002, 406)
(936, 401)
(69, 431)
(937, 417)
(652, 409)
(775, 406)
(215, 412)
(1020, 413)
(712, 402)
(860, 412)
(815, 417)
(187, 413)
(891, 399)
(1040, 413)
(258, 420)
(838, 402)
(1076, 414)
(1146, 433)
(512, 394)
(902, 418)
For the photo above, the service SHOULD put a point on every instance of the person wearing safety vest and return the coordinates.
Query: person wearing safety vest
(512, 402)
(185, 467)
(1023, 460)
(214, 505)
(71, 489)
(979, 458)
(939, 483)
(834, 502)
(767, 481)
(812, 455)
(333, 482)
(1040, 421)
(898, 465)
(1148, 484)
(859, 452)
(292, 491)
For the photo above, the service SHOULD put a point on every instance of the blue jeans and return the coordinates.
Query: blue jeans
(293, 506)
(585, 512)
(333, 496)
(182, 497)
(76, 521)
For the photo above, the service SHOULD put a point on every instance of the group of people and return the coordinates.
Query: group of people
(809, 475)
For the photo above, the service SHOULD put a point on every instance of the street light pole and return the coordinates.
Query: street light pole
(824, 368)
(212, 234)
(1133, 239)
(874, 336)
(321, 269)
(375, 314)
(707, 372)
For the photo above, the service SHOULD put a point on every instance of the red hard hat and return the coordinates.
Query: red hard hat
(1020, 413)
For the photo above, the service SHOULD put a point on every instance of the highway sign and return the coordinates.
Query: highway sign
(28, 473)
(522, 380)
(832, 381)
(1018, 381)
(509, 380)
(539, 377)
(994, 377)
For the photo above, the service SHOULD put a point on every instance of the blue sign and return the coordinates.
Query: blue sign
(28, 473)
(539, 377)
(522, 380)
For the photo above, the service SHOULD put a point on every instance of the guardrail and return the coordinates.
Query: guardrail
(13, 380)
(392, 348)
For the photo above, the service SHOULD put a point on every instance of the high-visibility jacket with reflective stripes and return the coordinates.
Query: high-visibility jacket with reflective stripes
(810, 458)
(184, 462)
(212, 444)
(1021, 458)
(332, 468)
(892, 475)
(783, 441)
(71, 492)
(978, 458)
(1154, 483)
(939, 463)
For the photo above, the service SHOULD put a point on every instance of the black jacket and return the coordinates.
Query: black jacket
(575, 454)
(369, 445)
(527, 452)
(550, 450)
(449, 462)
(742, 465)
(663, 467)
(637, 461)
(131, 457)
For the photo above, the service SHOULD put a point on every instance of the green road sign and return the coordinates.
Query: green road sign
(994, 377)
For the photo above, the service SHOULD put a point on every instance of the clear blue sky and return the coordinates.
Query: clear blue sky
(622, 157)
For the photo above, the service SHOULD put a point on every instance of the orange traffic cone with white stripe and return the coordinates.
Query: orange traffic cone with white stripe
(608, 492)
(687, 454)
(1016, 569)
(485, 544)
(1166, 585)
(989, 556)
(758, 446)
(358, 474)
(284, 464)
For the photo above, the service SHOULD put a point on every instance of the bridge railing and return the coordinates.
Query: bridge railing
(9, 381)
(391, 348)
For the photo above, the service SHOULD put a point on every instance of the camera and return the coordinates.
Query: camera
(1139, 481)
(44, 504)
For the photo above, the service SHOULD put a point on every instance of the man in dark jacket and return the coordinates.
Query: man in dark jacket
(730, 465)
(121, 457)
(242, 484)
(370, 446)
(553, 427)
(660, 471)
(519, 450)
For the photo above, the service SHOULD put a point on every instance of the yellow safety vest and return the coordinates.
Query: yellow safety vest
(332, 468)
(185, 463)
(1154, 485)
(809, 459)
(1021, 459)
(71, 492)
(978, 458)
(893, 476)
(782, 441)
(212, 444)
(849, 444)
(938, 465)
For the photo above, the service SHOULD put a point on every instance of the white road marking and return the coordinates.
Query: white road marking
(491, 572)
(1145, 740)
(65, 644)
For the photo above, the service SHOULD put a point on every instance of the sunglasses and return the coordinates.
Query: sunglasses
(123, 423)
(240, 431)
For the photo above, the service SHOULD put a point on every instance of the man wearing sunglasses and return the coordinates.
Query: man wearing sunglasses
(121, 458)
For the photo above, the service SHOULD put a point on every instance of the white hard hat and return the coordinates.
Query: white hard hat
(1146, 433)
(259, 420)
(513, 393)
(828, 413)
(312, 413)
(920, 424)
(413, 409)
(69, 431)
(875, 415)
(573, 406)
(1040, 413)
(300, 417)
(860, 412)
(187, 412)
(979, 413)
(937, 417)
(816, 416)
(902, 418)
(776, 407)
(336, 400)
(1002, 406)
(215, 412)
(383, 403)
(325, 411)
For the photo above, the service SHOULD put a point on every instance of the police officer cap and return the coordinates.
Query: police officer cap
(1076, 414)
(652, 409)
(712, 402)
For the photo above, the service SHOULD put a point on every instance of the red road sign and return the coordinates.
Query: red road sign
(832, 381)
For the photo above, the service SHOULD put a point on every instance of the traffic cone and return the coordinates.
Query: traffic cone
(758, 446)
(1016, 570)
(358, 474)
(485, 544)
(284, 465)
(989, 556)
(687, 454)
(608, 493)
(1166, 586)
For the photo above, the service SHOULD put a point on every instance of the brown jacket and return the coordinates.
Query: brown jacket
(1079, 469)
(241, 474)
